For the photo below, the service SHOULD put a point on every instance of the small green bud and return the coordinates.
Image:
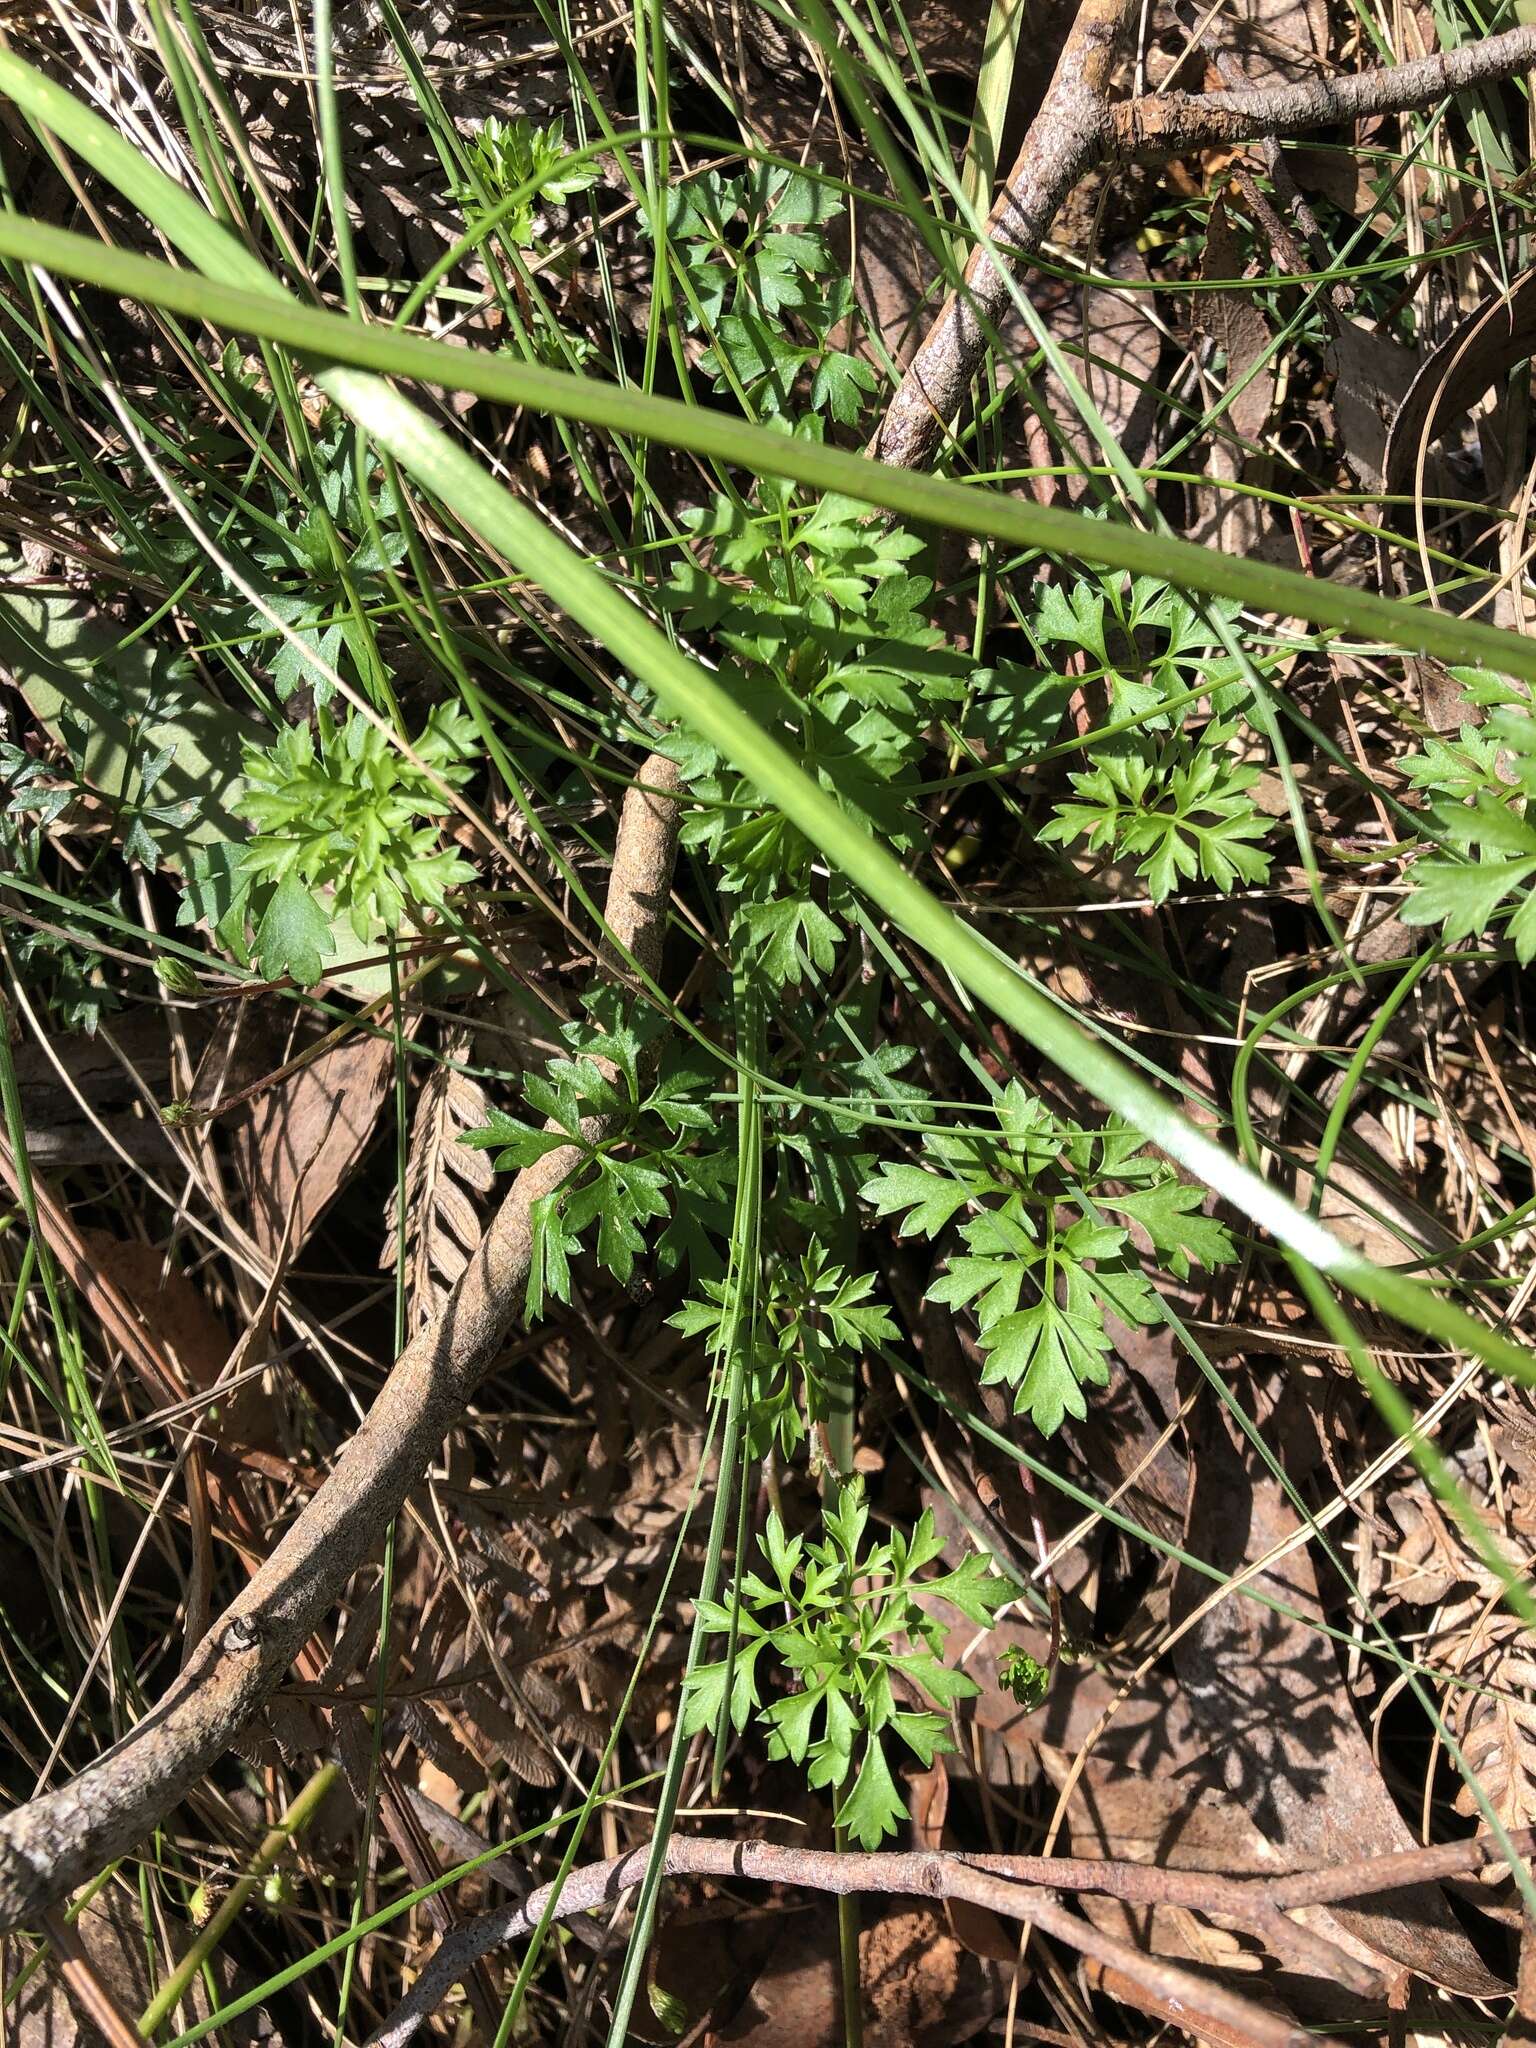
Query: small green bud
(176, 975)
(668, 2008)
(1023, 1677)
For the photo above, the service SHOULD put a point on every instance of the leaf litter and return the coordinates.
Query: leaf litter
(1152, 1645)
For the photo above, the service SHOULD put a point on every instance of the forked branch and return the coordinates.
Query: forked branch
(1016, 1888)
(56, 1842)
(1077, 130)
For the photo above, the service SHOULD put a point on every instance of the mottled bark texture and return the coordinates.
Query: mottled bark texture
(1077, 130)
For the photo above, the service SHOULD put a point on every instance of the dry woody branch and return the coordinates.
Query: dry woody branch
(1014, 1887)
(56, 1842)
(1078, 129)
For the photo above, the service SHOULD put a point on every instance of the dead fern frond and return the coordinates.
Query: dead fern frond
(442, 1178)
(1490, 1706)
(1496, 1725)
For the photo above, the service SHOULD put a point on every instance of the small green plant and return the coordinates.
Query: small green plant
(649, 1166)
(307, 574)
(847, 1625)
(814, 1320)
(754, 256)
(1023, 1677)
(1042, 1265)
(337, 811)
(822, 617)
(1480, 787)
(518, 153)
(1165, 789)
(1182, 804)
(1145, 640)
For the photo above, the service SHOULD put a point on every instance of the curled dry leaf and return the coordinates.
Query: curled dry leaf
(1496, 1723)
(296, 1143)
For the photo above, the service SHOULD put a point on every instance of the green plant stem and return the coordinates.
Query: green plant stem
(848, 1958)
(746, 1227)
(1338, 1115)
(262, 310)
(301, 1811)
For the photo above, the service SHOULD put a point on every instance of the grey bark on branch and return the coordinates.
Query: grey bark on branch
(1015, 1887)
(1066, 139)
(924, 1875)
(64, 1837)
(1077, 130)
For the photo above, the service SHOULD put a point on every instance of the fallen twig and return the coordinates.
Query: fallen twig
(54, 1843)
(1016, 1887)
(1077, 130)
(1066, 139)
(1160, 125)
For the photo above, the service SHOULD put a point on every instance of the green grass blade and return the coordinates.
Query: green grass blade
(262, 309)
(688, 692)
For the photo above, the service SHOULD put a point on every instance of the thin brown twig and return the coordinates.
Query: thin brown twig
(1159, 126)
(54, 1843)
(85, 1985)
(1077, 130)
(1015, 1887)
(925, 1874)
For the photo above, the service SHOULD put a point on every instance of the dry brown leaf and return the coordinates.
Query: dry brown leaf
(304, 1135)
(1487, 345)
(1275, 42)
(975, 1927)
(1372, 374)
(1496, 1725)
(1279, 1725)
(1492, 1706)
(1121, 349)
(1235, 324)
(101, 1106)
(1159, 1820)
(178, 1320)
(1369, 1207)
(921, 1989)
(1350, 181)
